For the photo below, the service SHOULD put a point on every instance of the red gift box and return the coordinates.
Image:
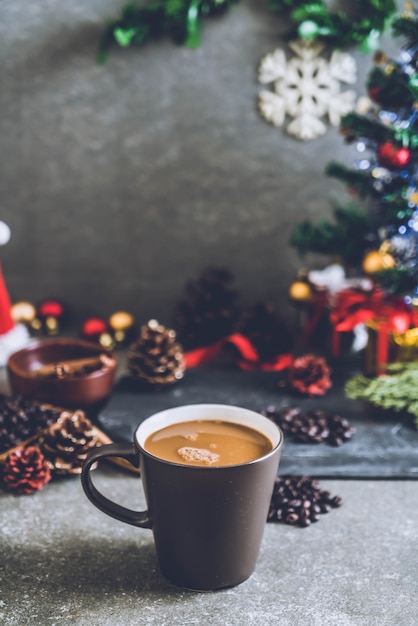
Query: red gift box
(387, 313)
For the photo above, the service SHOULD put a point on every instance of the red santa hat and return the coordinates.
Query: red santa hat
(12, 336)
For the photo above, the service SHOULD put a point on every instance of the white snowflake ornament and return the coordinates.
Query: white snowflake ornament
(306, 88)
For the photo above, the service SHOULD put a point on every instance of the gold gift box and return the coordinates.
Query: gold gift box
(386, 346)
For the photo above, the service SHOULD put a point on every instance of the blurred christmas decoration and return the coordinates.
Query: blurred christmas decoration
(377, 261)
(299, 501)
(300, 291)
(347, 236)
(25, 470)
(23, 312)
(391, 339)
(267, 330)
(315, 426)
(210, 324)
(181, 20)
(310, 375)
(118, 330)
(50, 318)
(208, 312)
(351, 309)
(156, 359)
(386, 137)
(66, 443)
(377, 238)
(397, 390)
(333, 280)
(122, 325)
(244, 355)
(306, 88)
(13, 335)
(178, 19)
(93, 328)
(362, 26)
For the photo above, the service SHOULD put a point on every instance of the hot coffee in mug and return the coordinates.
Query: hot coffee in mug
(208, 442)
(208, 474)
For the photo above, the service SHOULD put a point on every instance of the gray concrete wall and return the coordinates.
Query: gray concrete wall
(122, 181)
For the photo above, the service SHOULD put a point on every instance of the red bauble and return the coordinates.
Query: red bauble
(50, 308)
(93, 327)
(393, 157)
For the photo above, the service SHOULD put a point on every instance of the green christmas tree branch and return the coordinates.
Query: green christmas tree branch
(394, 87)
(356, 180)
(397, 390)
(354, 126)
(406, 26)
(396, 280)
(343, 237)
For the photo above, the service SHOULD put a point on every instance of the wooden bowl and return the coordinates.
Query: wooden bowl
(34, 372)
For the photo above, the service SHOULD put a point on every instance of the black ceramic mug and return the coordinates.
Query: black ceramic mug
(207, 522)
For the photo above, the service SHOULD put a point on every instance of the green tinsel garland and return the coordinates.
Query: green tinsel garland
(180, 19)
(398, 390)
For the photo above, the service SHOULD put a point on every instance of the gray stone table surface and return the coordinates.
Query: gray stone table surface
(63, 562)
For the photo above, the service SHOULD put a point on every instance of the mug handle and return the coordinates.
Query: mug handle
(125, 451)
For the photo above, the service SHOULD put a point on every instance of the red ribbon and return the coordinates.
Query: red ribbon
(248, 357)
(355, 307)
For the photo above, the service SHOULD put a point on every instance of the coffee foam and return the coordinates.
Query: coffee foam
(202, 455)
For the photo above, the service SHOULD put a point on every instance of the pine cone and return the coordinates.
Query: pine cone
(156, 358)
(21, 419)
(209, 311)
(266, 330)
(310, 375)
(65, 445)
(299, 501)
(26, 470)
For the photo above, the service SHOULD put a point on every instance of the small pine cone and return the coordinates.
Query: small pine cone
(26, 470)
(310, 375)
(208, 312)
(65, 445)
(156, 358)
(266, 330)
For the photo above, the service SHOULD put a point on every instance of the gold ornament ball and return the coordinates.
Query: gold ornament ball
(413, 197)
(121, 320)
(106, 340)
(375, 262)
(300, 291)
(24, 312)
